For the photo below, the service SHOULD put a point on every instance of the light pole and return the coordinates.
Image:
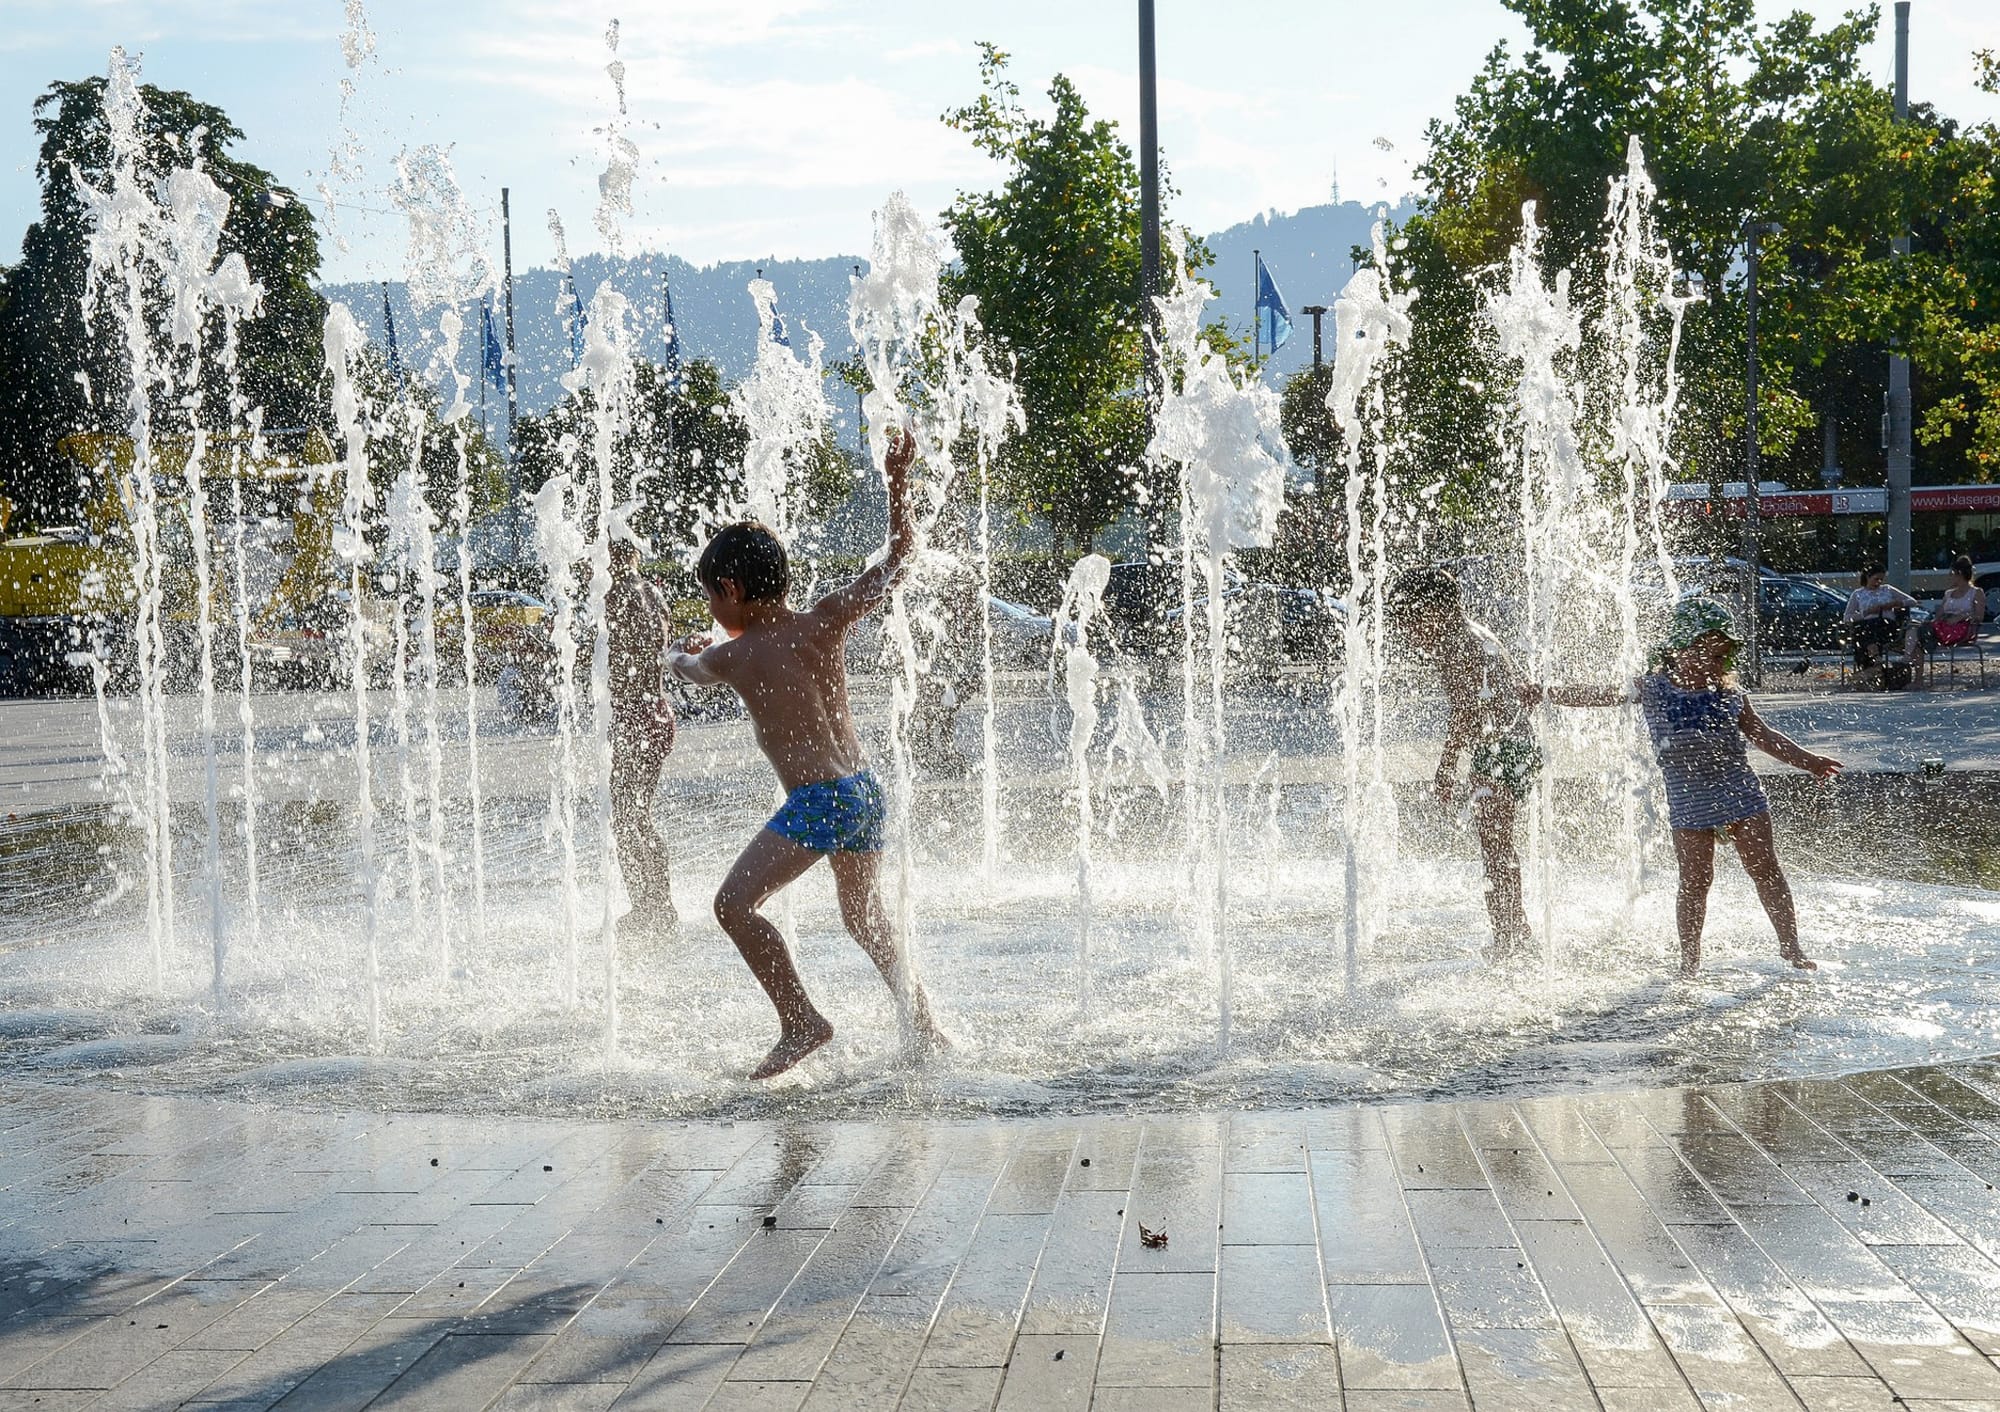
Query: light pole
(860, 425)
(1315, 312)
(1752, 590)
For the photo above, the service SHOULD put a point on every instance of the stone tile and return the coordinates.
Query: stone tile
(1112, 1150)
(1391, 1336)
(463, 1370)
(1458, 1218)
(1035, 1176)
(170, 1379)
(1913, 1350)
(1053, 1373)
(758, 1397)
(1265, 1142)
(732, 1309)
(1177, 1188)
(1720, 1360)
(1770, 1304)
(874, 1357)
(1072, 1283)
(1364, 1226)
(809, 1317)
(558, 1397)
(681, 1377)
(1490, 1288)
(1280, 1377)
(1370, 1400)
(1523, 1370)
(976, 1323)
(1159, 1332)
(1526, 1185)
(949, 1389)
(1153, 1399)
(1268, 1208)
(1272, 1294)
(1609, 1331)
(1856, 1394)
(608, 1341)
(1431, 1150)
(1958, 1282)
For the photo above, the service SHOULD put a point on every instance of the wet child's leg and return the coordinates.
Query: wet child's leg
(765, 866)
(857, 882)
(1694, 851)
(1493, 818)
(1759, 852)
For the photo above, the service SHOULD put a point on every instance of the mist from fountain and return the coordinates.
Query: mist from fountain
(1082, 600)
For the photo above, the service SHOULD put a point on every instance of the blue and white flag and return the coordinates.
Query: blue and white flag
(492, 357)
(577, 321)
(778, 334)
(671, 366)
(395, 356)
(1274, 320)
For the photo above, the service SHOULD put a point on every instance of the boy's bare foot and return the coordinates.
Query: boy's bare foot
(1690, 969)
(1797, 956)
(792, 1046)
(927, 1042)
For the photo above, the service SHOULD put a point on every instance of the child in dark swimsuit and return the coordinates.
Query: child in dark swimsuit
(1699, 720)
(790, 669)
(1483, 696)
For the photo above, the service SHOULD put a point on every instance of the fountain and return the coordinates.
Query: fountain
(422, 909)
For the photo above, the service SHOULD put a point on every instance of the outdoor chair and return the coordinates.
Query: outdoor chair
(1972, 645)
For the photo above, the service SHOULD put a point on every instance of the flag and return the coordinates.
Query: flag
(671, 365)
(492, 356)
(778, 334)
(1274, 320)
(577, 320)
(395, 357)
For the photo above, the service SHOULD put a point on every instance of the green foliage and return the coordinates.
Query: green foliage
(1739, 121)
(399, 407)
(1053, 257)
(59, 375)
(681, 459)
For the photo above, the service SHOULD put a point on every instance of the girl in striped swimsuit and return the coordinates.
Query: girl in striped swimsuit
(1699, 720)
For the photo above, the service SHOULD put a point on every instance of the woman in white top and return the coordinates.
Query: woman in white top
(1956, 618)
(1875, 611)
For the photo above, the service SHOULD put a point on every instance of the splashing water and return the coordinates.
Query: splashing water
(1083, 599)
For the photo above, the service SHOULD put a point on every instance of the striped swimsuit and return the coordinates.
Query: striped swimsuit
(1699, 745)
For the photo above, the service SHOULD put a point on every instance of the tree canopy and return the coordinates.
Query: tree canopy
(59, 374)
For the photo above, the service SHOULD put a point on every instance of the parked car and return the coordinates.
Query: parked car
(308, 648)
(1272, 626)
(503, 619)
(1142, 600)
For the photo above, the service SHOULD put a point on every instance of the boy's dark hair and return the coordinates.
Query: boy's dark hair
(1424, 590)
(748, 554)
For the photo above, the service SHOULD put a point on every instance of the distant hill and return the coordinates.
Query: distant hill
(1308, 252)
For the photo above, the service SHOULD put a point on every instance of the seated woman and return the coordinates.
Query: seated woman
(1876, 613)
(1956, 618)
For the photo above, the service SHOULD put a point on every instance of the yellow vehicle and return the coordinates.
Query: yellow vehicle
(507, 625)
(63, 588)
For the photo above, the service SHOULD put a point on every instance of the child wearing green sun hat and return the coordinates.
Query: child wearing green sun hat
(1699, 720)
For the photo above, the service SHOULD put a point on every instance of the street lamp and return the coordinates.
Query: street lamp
(1315, 312)
(1753, 663)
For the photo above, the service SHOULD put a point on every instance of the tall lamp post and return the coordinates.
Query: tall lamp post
(1752, 589)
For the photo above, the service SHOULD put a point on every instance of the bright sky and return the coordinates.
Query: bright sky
(775, 127)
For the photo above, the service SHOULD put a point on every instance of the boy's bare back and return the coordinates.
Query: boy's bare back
(790, 666)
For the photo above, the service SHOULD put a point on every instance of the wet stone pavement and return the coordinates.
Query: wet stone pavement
(1831, 1244)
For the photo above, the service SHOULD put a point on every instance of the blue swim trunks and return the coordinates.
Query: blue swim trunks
(834, 816)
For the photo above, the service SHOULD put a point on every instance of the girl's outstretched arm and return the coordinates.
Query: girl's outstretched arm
(1780, 746)
(1575, 695)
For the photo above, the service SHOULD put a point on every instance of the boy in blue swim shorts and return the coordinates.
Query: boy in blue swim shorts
(789, 666)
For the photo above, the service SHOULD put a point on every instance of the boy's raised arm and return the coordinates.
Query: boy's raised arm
(872, 585)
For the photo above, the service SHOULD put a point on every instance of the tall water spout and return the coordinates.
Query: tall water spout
(1083, 599)
(1223, 432)
(1371, 317)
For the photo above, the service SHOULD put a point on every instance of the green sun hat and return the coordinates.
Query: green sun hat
(1696, 618)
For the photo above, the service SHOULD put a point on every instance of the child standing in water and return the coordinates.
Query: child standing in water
(1482, 691)
(790, 669)
(1699, 719)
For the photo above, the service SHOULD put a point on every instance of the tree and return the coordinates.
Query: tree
(59, 375)
(1053, 257)
(1739, 121)
(681, 458)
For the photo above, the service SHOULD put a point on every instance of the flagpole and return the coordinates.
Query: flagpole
(1256, 294)
(673, 365)
(513, 395)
